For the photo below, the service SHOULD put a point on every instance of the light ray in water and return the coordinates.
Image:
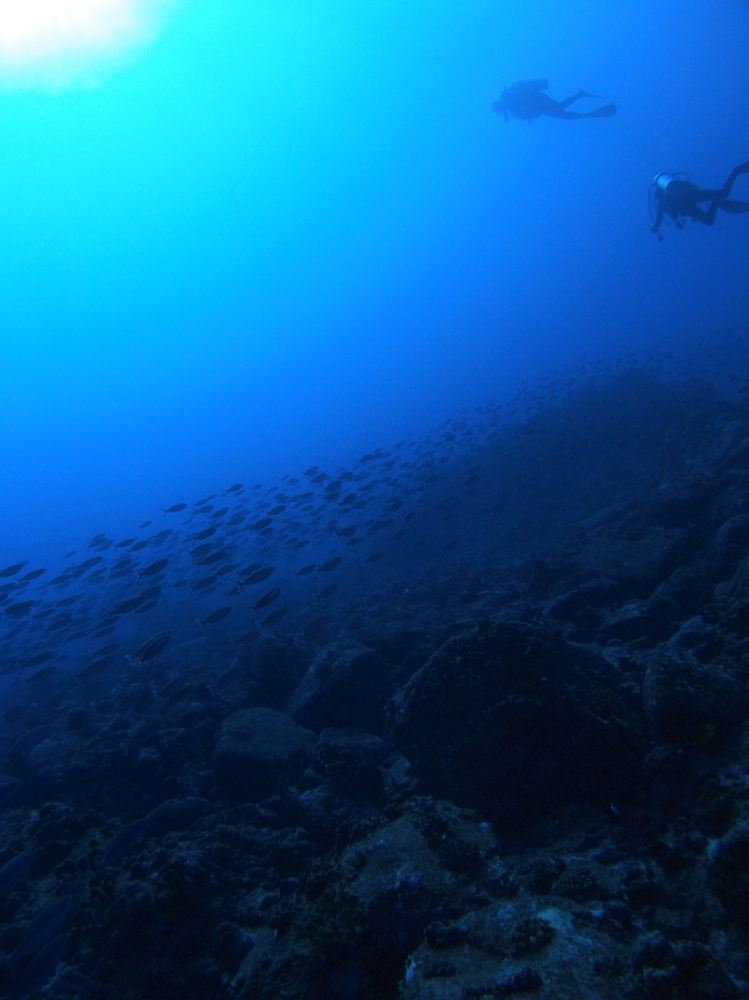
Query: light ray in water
(52, 43)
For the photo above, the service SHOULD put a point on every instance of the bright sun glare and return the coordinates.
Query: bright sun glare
(55, 40)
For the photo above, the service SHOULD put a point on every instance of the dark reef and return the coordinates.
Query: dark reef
(507, 755)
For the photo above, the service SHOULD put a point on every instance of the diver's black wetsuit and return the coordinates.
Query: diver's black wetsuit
(682, 200)
(526, 100)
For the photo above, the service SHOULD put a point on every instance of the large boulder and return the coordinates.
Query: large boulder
(259, 751)
(514, 721)
(346, 684)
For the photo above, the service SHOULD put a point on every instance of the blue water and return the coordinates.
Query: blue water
(281, 233)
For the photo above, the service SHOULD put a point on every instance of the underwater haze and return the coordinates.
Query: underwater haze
(262, 235)
(374, 562)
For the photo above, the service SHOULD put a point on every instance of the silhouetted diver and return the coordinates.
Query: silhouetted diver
(526, 100)
(681, 200)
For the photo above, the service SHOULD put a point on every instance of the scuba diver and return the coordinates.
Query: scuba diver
(678, 198)
(525, 100)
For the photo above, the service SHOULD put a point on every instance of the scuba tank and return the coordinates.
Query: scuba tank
(657, 194)
(657, 190)
(661, 182)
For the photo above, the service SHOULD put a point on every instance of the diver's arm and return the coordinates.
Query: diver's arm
(658, 220)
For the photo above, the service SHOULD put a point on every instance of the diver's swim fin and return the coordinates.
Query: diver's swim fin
(605, 112)
(734, 207)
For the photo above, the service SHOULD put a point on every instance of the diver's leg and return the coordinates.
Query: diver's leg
(743, 168)
(605, 112)
(718, 199)
(559, 112)
(558, 109)
(545, 105)
(571, 100)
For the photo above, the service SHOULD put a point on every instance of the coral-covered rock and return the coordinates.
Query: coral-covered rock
(689, 702)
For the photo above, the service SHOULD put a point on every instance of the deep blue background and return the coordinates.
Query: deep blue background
(288, 231)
